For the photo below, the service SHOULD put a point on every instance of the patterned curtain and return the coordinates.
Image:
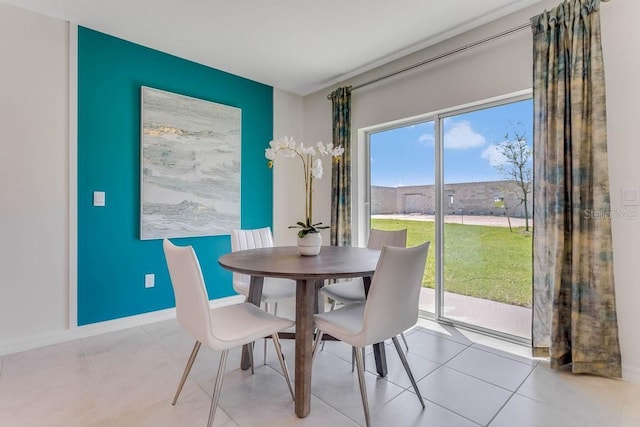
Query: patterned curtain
(341, 171)
(574, 316)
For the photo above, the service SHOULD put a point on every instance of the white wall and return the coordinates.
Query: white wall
(288, 183)
(502, 67)
(288, 186)
(34, 187)
(620, 40)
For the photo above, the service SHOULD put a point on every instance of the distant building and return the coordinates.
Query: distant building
(469, 198)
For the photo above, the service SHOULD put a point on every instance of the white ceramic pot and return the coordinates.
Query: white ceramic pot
(310, 244)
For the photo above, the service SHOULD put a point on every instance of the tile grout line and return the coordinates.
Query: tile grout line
(501, 408)
(496, 385)
(366, 372)
(98, 384)
(410, 390)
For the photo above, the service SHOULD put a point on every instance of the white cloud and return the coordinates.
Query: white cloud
(427, 137)
(461, 136)
(493, 154)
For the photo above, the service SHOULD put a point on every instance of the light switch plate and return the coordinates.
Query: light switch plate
(99, 198)
(630, 197)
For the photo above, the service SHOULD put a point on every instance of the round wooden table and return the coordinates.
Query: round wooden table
(333, 262)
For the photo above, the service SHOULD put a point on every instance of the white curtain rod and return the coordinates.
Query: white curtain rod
(445, 55)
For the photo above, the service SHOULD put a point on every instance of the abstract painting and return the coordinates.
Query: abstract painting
(190, 171)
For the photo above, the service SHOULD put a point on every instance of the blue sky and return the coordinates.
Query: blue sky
(405, 156)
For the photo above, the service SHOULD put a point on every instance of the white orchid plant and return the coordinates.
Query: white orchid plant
(312, 168)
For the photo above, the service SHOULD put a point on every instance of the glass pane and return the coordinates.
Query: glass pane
(487, 204)
(402, 190)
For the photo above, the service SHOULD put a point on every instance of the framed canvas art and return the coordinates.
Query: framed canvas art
(190, 166)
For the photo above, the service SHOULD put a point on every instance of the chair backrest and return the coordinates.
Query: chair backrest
(248, 239)
(380, 238)
(192, 300)
(251, 239)
(392, 303)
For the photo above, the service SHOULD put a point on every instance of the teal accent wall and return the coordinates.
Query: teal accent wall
(112, 260)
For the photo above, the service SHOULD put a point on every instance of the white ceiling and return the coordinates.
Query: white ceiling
(297, 45)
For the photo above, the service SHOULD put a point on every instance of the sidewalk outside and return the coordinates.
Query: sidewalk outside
(507, 318)
(511, 319)
(495, 221)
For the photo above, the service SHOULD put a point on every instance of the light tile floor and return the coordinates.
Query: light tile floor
(128, 378)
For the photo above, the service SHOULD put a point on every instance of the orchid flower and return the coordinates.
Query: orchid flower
(312, 168)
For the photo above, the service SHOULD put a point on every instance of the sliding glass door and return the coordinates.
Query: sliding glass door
(487, 236)
(402, 190)
(462, 179)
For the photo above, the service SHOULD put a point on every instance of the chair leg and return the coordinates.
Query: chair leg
(408, 369)
(264, 349)
(333, 307)
(251, 346)
(264, 352)
(275, 313)
(217, 387)
(283, 363)
(187, 369)
(363, 386)
(405, 341)
(353, 352)
(316, 344)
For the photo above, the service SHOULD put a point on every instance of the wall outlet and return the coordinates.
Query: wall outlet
(149, 280)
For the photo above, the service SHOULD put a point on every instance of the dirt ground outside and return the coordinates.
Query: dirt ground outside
(495, 221)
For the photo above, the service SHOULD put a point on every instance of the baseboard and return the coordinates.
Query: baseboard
(56, 337)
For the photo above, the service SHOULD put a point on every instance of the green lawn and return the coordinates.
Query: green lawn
(480, 261)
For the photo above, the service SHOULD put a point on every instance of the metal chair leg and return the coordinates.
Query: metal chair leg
(316, 344)
(333, 307)
(408, 369)
(264, 352)
(217, 387)
(353, 358)
(405, 341)
(187, 369)
(264, 349)
(251, 346)
(275, 313)
(363, 386)
(283, 363)
(353, 352)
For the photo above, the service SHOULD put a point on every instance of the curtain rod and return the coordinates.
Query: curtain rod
(441, 56)
(445, 55)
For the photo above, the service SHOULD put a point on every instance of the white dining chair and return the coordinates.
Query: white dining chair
(351, 291)
(273, 289)
(221, 328)
(391, 307)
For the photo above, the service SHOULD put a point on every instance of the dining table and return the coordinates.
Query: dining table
(309, 274)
